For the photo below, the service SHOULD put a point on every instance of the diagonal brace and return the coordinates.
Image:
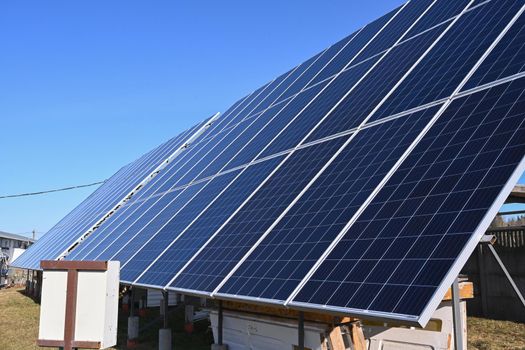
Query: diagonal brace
(509, 277)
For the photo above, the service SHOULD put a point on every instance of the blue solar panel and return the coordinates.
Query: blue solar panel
(275, 268)
(356, 107)
(61, 237)
(291, 85)
(281, 127)
(209, 221)
(443, 69)
(303, 191)
(327, 56)
(507, 58)
(397, 255)
(358, 42)
(440, 11)
(396, 29)
(314, 113)
(222, 253)
(142, 249)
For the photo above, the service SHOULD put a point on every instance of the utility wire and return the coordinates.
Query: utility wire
(51, 191)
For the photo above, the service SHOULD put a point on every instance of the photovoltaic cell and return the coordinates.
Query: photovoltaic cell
(221, 254)
(406, 17)
(275, 268)
(179, 252)
(314, 113)
(356, 107)
(442, 70)
(90, 211)
(399, 251)
(327, 56)
(441, 11)
(507, 58)
(291, 85)
(356, 45)
(148, 247)
(283, 118)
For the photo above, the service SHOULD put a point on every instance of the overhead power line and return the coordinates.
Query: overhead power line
(51, 191)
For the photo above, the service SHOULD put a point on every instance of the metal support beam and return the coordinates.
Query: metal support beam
(301, 331)
(456, 313)
(219, 330)
(132, 301)
(514, 212)
(165, 304)
(509, 277)
(482, 280)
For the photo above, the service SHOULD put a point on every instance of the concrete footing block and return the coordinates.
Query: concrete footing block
(133, 327)
(165, 339)
(219, 347)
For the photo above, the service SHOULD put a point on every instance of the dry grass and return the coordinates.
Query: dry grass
(19, 329)
(486, 334)
(19, 326)
(18, 321)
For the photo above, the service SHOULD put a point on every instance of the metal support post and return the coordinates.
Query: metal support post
(219, 330)
(456, 313)
(301, 331)
(132, 300)
(165, 332)
(165, 304)
(482, 280)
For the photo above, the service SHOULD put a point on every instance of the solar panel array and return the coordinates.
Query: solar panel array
(92, 212)
(359, 182)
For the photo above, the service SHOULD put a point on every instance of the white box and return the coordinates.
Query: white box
(96, 313)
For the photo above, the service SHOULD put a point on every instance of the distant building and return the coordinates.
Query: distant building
(9, 242)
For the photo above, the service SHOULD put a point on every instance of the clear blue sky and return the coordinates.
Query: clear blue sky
(87, 86)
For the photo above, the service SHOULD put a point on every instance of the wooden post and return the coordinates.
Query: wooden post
(336, 338)
(358, 338)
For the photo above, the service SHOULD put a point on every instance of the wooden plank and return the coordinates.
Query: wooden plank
(76, 344)
(466, 291)
(336, 339)
(283, 312)
(86, 344)
(358, 338)
(71, 309)
(74, 265)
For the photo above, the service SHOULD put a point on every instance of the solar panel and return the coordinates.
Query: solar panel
(91, 211)
(375, 87)
(175, 254)
(403, 252)
(289, 250)
(356, 183)
(506, 60)
(242, 230)
(453, 57)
